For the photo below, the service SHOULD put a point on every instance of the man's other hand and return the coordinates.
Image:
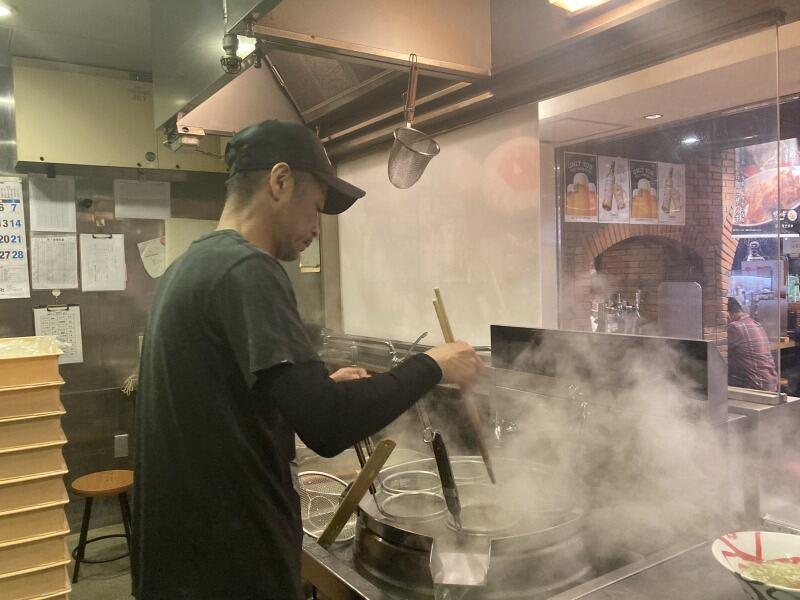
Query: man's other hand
(349, 373)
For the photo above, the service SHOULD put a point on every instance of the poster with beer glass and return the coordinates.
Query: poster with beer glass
(615, 206)
(644, 192)
(580, 183)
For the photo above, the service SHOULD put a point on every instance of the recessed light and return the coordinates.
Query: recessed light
(6, 10)
(690, 140)
(653, 117)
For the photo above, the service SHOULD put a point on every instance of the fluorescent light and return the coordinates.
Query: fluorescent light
(653, 117)
(577, 6)
(690, 140)
(246, 46)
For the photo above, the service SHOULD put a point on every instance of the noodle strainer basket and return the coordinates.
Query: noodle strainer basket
(320, 496)
(412, 150)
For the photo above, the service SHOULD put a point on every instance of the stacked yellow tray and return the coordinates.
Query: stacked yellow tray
(33, 526)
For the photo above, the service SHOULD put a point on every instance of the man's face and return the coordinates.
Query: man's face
(297, 218)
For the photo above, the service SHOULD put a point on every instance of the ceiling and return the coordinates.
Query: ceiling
(105, 33)
(736, 74)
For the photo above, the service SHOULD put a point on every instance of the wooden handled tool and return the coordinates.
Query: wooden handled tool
(353, 496)
(472, 408)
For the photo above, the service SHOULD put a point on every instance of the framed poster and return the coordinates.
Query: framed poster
(615, 185)
(580, 187)
(756, 209)
(671, 194)
(644, 192)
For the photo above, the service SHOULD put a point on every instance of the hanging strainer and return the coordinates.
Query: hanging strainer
(412, 150)
(320, 495)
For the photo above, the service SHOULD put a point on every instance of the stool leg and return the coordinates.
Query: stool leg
(126, 517)
(87, 513)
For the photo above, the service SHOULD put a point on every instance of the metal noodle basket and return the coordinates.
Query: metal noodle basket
(412, 150)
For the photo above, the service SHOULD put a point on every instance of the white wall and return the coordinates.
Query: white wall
(470, 226)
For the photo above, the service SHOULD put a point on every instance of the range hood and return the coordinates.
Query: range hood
(340, 66)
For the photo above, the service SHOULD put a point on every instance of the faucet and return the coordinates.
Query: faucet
(392, 352)
(396, 360)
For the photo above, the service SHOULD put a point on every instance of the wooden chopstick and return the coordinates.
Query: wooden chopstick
(472, 408)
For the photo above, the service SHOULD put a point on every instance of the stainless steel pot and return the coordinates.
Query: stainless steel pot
(536, 534)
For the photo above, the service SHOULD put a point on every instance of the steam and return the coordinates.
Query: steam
(634, 447)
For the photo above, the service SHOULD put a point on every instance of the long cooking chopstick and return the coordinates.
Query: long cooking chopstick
(472, 408)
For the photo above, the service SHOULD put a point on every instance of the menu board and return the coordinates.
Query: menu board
(580, 181)
(644, 192)
(615, 206)
(756, 209)
(671, 194)
(14, 282)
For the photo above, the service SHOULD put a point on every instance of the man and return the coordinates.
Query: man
(228, 375)
(750, 362)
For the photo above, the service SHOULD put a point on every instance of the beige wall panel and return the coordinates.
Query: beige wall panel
(78, 118)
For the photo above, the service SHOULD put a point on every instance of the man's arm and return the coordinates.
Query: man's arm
(329, 416)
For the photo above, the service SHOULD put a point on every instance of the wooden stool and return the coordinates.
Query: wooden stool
(102, 484)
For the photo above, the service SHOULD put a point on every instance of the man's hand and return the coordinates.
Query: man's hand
(459, 363)
(348, 373)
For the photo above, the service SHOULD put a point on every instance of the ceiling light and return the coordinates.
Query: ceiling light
(653, 117)
(574, 7)
(690, 140)
(6, 10)
(246, 46)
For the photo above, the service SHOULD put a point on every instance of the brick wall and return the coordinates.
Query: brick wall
(600, 258)
(642, 263)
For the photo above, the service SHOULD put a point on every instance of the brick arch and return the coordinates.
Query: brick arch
(715, 253)
(689, 237)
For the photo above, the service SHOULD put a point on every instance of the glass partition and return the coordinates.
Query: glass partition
(671, 222)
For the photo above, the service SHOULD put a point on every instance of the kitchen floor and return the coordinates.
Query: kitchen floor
(105, 581)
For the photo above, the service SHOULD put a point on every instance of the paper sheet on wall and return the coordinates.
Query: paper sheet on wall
(14, 282)
(52, 203)
(64, 324)
(180, 233)
(54, 261)
(103, 262)
(141, 199)
(153, 254)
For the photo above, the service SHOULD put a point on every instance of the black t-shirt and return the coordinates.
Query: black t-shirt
(228, 375)
(215, 512)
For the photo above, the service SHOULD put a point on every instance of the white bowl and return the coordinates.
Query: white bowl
(735, 551)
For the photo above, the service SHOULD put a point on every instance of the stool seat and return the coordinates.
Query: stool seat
(116, 482)
(104, 483)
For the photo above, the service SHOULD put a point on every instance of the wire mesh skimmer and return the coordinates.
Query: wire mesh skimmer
(320, 495)
(412, 150)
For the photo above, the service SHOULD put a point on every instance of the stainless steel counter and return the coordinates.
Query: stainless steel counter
(689, 575)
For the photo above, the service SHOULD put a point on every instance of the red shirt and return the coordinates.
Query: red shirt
(750, 362)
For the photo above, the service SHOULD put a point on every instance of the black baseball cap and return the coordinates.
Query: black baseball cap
(260, 147)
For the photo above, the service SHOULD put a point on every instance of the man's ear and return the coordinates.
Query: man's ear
(281, 181)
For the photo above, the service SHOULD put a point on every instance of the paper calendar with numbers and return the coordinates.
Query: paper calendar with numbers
(14, 282)
(64, 324)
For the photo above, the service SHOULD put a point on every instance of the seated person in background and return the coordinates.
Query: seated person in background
(750, 362)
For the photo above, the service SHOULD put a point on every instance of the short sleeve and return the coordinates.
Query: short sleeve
(257, 312)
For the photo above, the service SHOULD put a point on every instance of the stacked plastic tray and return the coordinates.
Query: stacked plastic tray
(33, 526)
